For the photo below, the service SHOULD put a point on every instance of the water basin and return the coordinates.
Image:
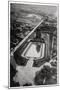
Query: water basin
(34, 49)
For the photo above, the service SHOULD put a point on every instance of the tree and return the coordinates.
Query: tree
(44, 76)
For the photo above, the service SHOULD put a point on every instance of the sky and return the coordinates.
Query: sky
(48, 9)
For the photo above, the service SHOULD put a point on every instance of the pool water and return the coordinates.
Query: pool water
(34, 50)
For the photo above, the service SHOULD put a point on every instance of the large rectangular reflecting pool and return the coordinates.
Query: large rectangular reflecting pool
(34, 49)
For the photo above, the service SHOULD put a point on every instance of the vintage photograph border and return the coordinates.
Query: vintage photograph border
(36, 3)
